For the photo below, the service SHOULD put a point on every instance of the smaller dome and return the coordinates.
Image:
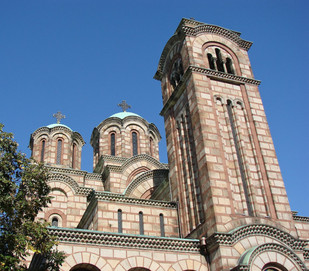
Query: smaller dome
(122, 115)
(58, 124)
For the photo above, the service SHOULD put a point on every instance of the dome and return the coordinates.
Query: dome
(57, 124)
(122, 115)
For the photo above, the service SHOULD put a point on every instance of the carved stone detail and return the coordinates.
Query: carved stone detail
(124, 240)
(121, 198)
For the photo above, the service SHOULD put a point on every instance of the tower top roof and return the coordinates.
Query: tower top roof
(122, 115)
(58, 124)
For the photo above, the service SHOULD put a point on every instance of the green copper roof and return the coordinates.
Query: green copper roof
(57, 124)
(122, 115)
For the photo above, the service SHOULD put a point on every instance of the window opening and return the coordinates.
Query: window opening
(55, 222)
(120, 221)
(134, 143)
(229, 66)
(219, 61)
(42, 150)
(141, 223)
(151, 146)
(211, 62)
(59, 151)
(162, 225)
(74, 156)
(113, 149)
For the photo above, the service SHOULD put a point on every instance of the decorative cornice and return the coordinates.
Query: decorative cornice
(66, 170)
(87, 175)
(255, 229)
(93, 176)
(225, 76)
(213, 29)
(301, 218)
(105, 196)
(124, 240)
(157, 174)
(78, 190)
(306, 254)
(221, 76)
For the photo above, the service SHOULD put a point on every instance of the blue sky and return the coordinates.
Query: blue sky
(85, 57)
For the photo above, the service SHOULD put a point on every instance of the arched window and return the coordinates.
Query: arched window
(219, 61)
(134, 143)
(229, 66)
(120, 221)
(59, 151)
(74, 153)
(113, 142)
(273, 267)
(162, 225)
(141, 223)
(55, 222)
(211, 61)
(151, 146)
(42, 150)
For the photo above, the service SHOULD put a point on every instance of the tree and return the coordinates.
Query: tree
(23, 193)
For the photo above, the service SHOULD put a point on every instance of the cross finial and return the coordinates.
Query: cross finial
(124, 106)
(58, 116)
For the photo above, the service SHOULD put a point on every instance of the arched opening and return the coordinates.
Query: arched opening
(120, 221)
(219, 61)
(55, 222)
(229, 66)
(211, 61)
(139, 269)
(162, 231)
(274, 267)
(151, 146)
(59, 152)
(134, 143)
(42, 150)
(141, 223)
(84, 267)
(74, 153)
(113, 144)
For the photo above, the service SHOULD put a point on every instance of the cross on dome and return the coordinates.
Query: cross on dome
(124, 106)
(58, 116)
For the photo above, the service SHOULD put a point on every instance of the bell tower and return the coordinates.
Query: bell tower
(223, 168)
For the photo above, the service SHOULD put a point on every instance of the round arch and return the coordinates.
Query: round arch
(84, 267)
(139, 269)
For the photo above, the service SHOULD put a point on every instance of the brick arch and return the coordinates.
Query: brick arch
(136, 172)
(225, 48)
(245, 227)
(146, 181)
(258, 257)
(68, 184)
(84, 258)
(203, 42)
(63, 216)
(134, 262)
(189, 265)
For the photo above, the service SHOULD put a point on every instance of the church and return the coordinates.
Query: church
(220, 202)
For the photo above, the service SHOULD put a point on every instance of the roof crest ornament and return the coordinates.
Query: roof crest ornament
(58, 116)
(124, 106)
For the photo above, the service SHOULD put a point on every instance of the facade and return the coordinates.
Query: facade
(220, 203)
